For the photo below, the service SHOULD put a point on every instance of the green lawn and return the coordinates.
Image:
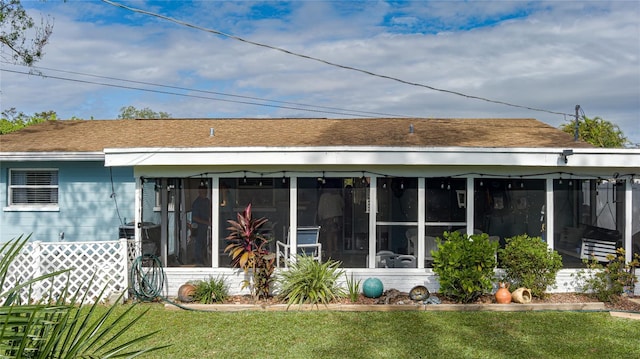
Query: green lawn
(325, 334)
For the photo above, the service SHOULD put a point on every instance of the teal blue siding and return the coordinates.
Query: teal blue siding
(91, 205)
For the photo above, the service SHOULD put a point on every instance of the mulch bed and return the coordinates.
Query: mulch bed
(394, 297)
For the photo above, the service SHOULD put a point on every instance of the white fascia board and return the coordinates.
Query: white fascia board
(51, 156)
(349, 155)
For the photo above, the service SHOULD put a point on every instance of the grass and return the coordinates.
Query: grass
(326, 334)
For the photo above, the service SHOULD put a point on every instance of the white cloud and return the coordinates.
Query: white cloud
(546, 55)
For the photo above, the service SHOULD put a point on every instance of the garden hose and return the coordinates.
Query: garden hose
(147, 278)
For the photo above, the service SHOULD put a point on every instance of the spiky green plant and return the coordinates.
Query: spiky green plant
(57, 328)
(353, 286)
(214, 290)
(312, 282)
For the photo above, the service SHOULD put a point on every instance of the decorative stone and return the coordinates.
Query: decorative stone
(372, 288)
(419, 293)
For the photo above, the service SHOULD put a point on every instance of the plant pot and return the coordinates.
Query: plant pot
(503, 296)
(521, 295)
(186, 292)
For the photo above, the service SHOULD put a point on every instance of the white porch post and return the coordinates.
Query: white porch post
(373, 209)
(548, 213)
(628, 223)
(470, 204)
(215, 221)
(137, 239)
(421, 221)
(293, 219)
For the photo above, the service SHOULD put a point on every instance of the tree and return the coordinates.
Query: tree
(597, 131)
(13, 121)
(130, 112)
(20, 34)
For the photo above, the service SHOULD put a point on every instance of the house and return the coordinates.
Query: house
(393, 186)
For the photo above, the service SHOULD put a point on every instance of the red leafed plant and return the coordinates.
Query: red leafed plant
(247, 249)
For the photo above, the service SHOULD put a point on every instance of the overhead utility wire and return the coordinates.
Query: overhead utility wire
(187, 95)
(218, 93)
(325, 61)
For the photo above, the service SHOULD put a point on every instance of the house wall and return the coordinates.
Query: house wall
(87, 209)
(400, 279)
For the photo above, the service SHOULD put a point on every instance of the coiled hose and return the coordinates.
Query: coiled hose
(147, 278)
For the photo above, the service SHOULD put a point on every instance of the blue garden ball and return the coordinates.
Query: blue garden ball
(372, 288)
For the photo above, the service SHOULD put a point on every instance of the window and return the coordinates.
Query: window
(269, 198)
(397, 221)
(339, 206)
(587, 209)
(505, 208)
(33, 187)
(446, 205)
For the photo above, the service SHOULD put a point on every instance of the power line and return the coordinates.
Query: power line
(217, 93)
(187, 95)
(370, 73)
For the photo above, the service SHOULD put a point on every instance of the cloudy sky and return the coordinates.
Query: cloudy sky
(543, 57)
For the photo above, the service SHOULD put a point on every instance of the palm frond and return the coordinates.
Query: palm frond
(59, 329)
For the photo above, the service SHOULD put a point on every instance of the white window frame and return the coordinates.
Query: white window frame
(11, 206)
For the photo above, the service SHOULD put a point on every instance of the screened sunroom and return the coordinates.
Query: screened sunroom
(383, 221)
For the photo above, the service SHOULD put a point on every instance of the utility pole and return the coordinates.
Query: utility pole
(576, 131)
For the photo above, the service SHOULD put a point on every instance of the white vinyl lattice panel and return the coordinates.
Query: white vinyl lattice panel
(93, 267)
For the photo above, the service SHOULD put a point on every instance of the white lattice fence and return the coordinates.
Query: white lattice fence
(108, 261)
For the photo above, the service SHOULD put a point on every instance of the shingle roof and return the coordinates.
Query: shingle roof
(96, 135)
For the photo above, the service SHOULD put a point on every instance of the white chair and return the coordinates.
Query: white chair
(405, 261)
(307, 243)
(597, 249)
(385, 259)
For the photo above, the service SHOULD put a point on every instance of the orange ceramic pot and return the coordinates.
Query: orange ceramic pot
(503, 295)
(186, 292)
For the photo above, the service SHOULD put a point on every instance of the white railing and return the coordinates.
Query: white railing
(93, 267)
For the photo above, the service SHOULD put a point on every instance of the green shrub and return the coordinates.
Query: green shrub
(610, 280)
(465, 265)
(309, 281)
(353, 286)
(528, 262)
(214, 290)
